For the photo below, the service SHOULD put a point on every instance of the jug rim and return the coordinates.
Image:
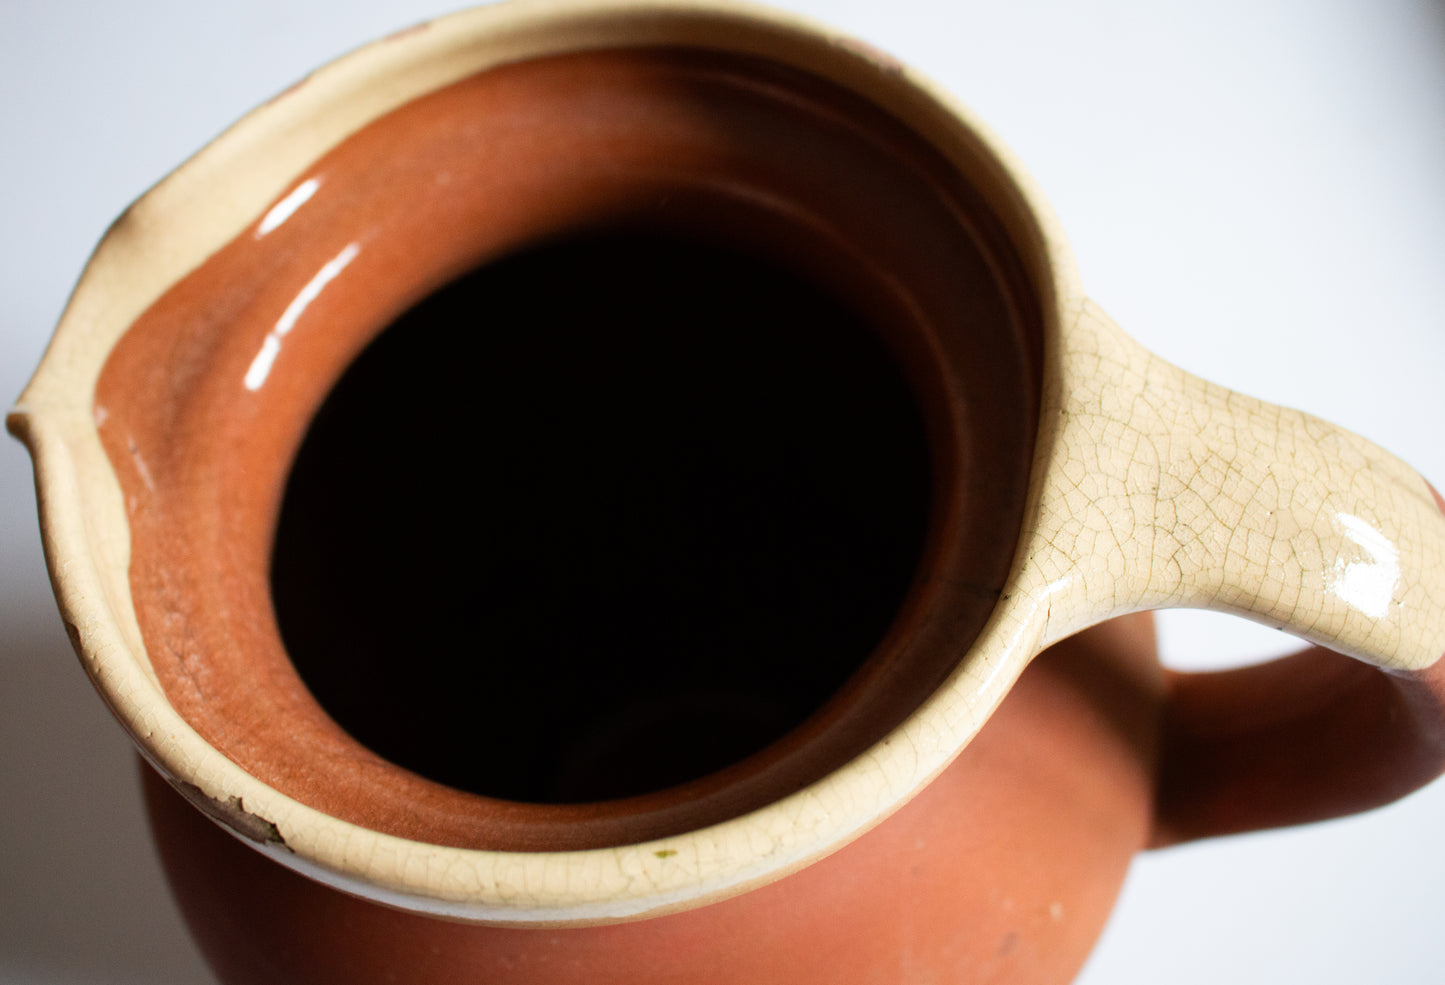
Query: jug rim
(150, 247)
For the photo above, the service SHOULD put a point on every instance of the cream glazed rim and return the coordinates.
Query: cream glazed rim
(1360, 570)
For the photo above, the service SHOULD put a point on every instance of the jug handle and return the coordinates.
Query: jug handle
(1307, 737)
(1162, 490)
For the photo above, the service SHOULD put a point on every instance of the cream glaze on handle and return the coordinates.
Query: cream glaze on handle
(1163, 490)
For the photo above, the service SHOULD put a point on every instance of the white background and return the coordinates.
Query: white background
(1255, 190)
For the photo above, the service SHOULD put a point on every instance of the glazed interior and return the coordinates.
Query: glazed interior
(831, 216)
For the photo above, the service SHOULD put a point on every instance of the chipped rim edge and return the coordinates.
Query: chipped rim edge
(87, 541)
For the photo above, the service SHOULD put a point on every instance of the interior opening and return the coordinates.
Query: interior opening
(600, 518)
(617, 511)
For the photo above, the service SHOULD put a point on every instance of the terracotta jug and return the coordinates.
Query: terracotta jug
(636, 492)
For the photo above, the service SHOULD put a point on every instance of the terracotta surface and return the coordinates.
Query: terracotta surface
(1002, 871)
(1145, 487)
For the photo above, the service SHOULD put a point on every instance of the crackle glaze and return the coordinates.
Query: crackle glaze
(1122, 484)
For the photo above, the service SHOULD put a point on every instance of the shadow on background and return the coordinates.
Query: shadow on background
(81, 896)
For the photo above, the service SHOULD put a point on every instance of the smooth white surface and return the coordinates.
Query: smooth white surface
(1253, 190)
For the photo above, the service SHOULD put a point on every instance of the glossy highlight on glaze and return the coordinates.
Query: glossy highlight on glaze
(261, 366)
(1370, 583)
(287, 207)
